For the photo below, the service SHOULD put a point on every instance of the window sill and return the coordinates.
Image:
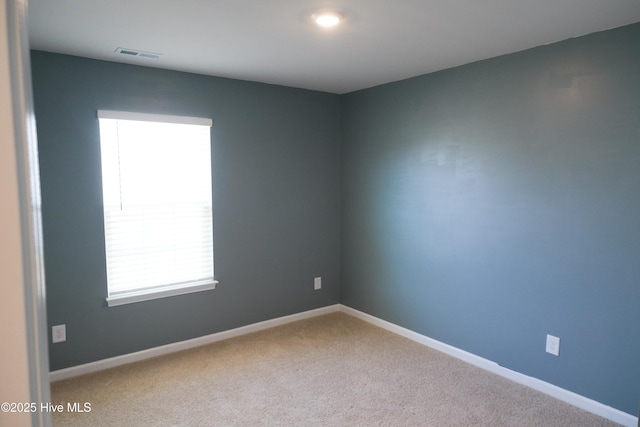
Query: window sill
(165, 292)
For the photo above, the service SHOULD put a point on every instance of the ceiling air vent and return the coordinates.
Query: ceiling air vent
(138, 53)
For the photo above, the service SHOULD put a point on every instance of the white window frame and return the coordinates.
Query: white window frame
(167, 290)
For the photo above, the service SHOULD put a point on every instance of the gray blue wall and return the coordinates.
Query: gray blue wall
(276, 185)
(484, 206)
(491, 204)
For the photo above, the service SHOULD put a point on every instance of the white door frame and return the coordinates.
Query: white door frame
(30, 222)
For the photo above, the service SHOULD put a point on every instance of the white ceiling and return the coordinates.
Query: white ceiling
(273, 41)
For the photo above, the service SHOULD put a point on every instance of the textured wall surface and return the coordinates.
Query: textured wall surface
(276, 195)
(484, 206)
(491, 204)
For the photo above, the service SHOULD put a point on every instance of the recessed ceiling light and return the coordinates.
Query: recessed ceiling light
(327, 19)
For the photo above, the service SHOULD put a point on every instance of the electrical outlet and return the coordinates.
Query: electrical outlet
(553, 345)
(317, 283)
(58, 333)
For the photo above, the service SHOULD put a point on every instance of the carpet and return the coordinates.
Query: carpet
(332, 370)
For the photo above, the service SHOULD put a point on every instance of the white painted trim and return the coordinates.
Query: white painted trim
(162, 118)
(564, 395)
(25, 142)
(162, 292)
(112, 362)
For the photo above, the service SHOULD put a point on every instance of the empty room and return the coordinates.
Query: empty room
(324, 213)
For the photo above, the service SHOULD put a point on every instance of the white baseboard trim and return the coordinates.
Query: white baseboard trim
(112, 362)
(564, 395)
(567, 396)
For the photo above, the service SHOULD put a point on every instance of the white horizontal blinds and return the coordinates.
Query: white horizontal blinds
(157, 203)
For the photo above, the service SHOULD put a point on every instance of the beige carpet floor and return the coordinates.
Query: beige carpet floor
(332, 370)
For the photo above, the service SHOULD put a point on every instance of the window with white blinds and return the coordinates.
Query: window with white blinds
(156, 185)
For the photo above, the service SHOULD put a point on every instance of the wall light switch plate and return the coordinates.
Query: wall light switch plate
(553, 345)
(317, 283)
